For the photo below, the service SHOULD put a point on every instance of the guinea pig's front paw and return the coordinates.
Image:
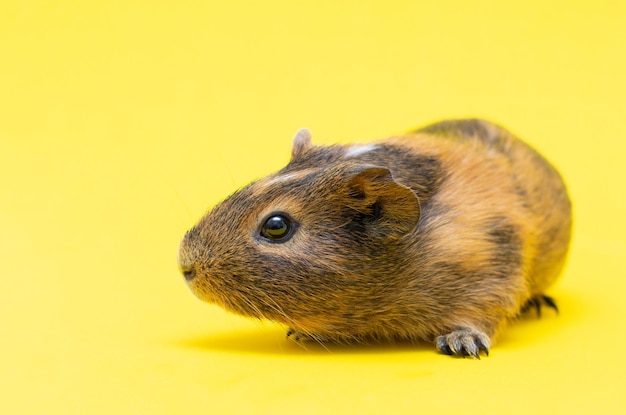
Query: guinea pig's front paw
(463, 342)
(296, 335)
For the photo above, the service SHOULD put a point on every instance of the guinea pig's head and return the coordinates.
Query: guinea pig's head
(312, 246)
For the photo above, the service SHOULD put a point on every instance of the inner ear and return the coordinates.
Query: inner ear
(389, 207)
(377, 210)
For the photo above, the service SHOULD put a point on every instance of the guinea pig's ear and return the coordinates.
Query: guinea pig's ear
(301, 142)
(385, 207)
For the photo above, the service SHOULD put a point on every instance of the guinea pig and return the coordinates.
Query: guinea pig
(444, 234)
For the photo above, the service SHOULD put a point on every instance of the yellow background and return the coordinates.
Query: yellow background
(122, 122)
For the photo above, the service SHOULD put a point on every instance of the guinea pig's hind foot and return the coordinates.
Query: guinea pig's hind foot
(538, 301)
(463, 342)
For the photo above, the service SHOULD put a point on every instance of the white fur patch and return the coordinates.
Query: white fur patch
(286, 177)
(358, 149)
(281, 178)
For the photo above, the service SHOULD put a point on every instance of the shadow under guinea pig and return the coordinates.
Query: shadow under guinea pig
(274, 341)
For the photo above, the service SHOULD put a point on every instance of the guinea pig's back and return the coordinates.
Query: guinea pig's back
(543, 192)
(508, 177)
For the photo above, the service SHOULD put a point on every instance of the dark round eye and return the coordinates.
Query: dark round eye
(277, 228)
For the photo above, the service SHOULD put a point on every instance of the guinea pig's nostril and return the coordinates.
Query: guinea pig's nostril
(189, 273)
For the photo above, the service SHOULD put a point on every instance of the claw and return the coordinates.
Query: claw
(463, 342)
(482, 347)
(549, 301)
(443, 347)
(537, 302)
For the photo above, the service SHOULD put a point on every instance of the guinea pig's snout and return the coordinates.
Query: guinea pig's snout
(186, 267)
(186, 264)
(189, 273)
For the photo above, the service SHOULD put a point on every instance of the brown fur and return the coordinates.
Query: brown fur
(443, 234)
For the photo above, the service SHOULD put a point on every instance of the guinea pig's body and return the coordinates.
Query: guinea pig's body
(443, 234)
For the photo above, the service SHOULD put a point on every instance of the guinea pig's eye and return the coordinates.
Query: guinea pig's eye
(277, 228)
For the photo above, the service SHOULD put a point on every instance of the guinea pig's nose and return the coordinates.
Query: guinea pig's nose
(186, 263)
(188, 272)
